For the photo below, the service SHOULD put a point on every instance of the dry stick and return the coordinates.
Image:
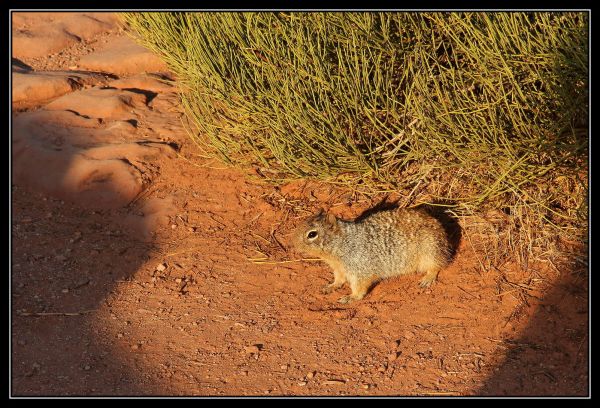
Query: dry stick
(260, 236)
(468, 293)
(81, 284)
(474, 250)
(56, 313)
(442, 393)
(276, 240)
(252, 220)
(507, 292)
(262, 261)
(407, 200)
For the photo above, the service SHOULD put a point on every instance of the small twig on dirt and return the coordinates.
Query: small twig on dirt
(441, 393)
(212, 217)
(471, 354)
(261, 253)
(521, 288)
(40, 314)
(581, 343)
(407, 199)
(508, 292)
(334, 382)
(330, 309)
(261, 237)
(511, 343)
(277, 241)
(252, 221)
(474, 250)
(264, 260)
(142, 194)
(468, 293)
(81, 284)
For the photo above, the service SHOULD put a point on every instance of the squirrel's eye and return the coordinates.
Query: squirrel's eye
(312, 234)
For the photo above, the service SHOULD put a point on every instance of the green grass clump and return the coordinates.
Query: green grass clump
(480, 110)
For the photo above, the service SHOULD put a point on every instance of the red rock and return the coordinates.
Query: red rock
(123, 57)
(40, 34)
(73, 158)
(143, 82)
(100, 103)
(37, 87)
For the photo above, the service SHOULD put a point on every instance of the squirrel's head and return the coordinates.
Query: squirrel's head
(314, 233)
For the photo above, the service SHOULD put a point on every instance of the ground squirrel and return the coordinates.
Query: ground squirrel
(382, 245)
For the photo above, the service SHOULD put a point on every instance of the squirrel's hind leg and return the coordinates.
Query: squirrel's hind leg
(431, 269)
(430, 263)
(428, 279)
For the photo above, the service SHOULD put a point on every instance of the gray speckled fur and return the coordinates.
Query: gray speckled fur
(382, 245)
(388, 243)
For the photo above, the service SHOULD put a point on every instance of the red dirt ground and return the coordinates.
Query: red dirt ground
(141, 268)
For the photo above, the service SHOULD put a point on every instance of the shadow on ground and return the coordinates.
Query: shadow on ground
(551, 356)
(65, 262)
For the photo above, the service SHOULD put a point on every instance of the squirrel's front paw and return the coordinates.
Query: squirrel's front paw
(330, 288)
(426, 281)
(346, 299)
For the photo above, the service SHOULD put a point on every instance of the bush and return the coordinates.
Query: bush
(467, 109)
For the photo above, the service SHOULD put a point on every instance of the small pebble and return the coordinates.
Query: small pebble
(334, 382)
(302, 383)
(252, 349)
(161, 267)
(65, 291)
(393, 356)
(310, 374)
(87, 367)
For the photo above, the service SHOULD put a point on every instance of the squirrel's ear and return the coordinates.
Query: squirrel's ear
(331, 219)
(320, 213)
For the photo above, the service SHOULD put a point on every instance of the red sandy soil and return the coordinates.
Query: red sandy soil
(141, 268)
